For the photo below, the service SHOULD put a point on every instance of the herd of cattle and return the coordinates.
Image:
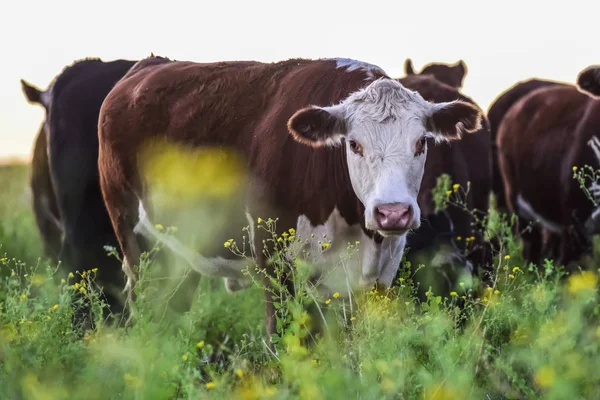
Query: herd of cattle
(330, 145)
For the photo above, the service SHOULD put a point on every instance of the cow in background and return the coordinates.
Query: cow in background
(45, 207)
(75, 100)
(450, 74)
(588, 80)
(542, 137)
(496, 112)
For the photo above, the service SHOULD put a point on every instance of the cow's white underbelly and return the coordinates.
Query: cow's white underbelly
(349, 259)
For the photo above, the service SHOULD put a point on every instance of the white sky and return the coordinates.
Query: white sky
(501, 41)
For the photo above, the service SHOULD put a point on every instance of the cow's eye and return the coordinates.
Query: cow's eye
(421, 146)
(356, 147)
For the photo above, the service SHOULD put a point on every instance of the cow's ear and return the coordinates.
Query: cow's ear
(408, 67)
(588, 81)
(318, 126)
(459, 70)
(448, 121)
(33, 94)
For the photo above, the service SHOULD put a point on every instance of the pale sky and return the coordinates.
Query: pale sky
(500, 41)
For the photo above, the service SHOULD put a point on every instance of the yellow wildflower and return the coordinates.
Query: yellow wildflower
(83, 290)
(23, 297)
(462, 284)
(453, 294)
(352, 318)
(449, 192)
(159, 227)
(574, 168)
(280, 240)
(511, 276)
(459, 238)
(259, 220)
(200, 344)
(336, 295)
(94, 270)
(401, 279)
(184, 357)
(55, 307)
(227, 244)
(455, 186)
(545, 377)
(210, 385)
(325, 245)
(472, 238)
(496, 291)
(239, 373)
(285, 234)
(3, 260)
(132, 381)
(586, 280)
(71, 275)
(292, 231)
(75, 285)
(507, 257)
(63, 281)
(327, 301)
(516, 269)
(357, 243)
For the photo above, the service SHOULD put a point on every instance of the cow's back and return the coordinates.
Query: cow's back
(243, 105)
(533, 141)
(496, 113)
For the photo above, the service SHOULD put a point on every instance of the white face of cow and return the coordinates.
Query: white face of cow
(385, 129)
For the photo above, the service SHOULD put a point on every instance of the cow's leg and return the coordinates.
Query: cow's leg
(531, 237)
(573, 245)
(45, 206)
(122, 206)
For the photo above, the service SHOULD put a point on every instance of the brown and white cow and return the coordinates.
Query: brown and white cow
(450, 74)
(588, 80)
(45, 207)
(331, 143)
(540, 139)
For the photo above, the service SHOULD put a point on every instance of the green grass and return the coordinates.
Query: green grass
(533, 335)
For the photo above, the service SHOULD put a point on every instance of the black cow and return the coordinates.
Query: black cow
(76, 97)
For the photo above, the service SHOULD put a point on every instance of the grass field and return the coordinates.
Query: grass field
(534, 334)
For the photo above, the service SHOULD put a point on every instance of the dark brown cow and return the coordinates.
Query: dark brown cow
(329, 143)
(468, 160)
(540, 139)
(495, 114)
(45, 207)
(588, 80)
(450, 74)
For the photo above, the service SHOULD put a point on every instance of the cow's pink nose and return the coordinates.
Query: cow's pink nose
(394, 216)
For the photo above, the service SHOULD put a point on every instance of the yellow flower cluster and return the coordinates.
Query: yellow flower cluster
(585, 281)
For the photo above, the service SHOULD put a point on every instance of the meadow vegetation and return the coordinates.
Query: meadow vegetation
(533, 333)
